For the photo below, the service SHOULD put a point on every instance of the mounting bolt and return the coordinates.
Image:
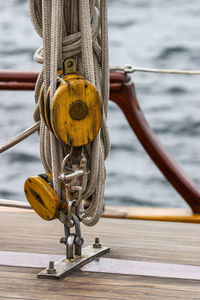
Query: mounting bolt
(96, 243)
(51, 269)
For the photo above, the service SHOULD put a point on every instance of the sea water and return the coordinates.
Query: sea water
(145, 33)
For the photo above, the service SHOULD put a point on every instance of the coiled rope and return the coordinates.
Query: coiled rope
(74, 29)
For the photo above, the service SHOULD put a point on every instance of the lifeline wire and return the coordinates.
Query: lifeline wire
(132, 69)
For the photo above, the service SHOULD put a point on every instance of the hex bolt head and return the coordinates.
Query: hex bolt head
(97, 243)
(51, 269)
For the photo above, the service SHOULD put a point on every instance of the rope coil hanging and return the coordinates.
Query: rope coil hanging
(74, 29)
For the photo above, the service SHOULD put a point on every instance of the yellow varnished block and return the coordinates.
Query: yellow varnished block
(76, 111)
(42, 197)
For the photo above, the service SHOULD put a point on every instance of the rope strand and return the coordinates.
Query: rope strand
(20, 137)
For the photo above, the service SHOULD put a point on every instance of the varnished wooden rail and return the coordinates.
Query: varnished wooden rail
(24, 80)
(125, 96)
(122, 92)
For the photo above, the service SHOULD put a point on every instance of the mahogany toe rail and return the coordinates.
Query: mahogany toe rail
(124, 95)
(122, 92)
(15, 80)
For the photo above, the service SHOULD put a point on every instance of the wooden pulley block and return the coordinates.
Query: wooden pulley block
(42, 197)
(76, 108)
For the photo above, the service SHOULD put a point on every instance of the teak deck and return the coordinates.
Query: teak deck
(24, 231)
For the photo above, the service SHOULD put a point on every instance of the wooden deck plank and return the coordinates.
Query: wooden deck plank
(136, 240)
(139, 240)
(90, 285)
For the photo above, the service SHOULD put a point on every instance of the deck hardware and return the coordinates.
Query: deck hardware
(75, 113)
(97, 243)
(70, 247)
(72, 178)
(65, 267)
(51, 269)
(127, 69)
(73, 241)
(73, 184)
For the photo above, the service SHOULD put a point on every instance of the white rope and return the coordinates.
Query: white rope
(74, 29)
(55, 63)
(16, 204)
(20, 137)
(132, 69)
(89, 47)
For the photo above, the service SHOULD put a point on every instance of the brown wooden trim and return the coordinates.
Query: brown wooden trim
(17, 86)
(118, 77)
(18, 76)
(25, 80)
(128, 102)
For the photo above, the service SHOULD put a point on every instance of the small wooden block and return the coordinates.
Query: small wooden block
(42, 197)
(76, 111)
